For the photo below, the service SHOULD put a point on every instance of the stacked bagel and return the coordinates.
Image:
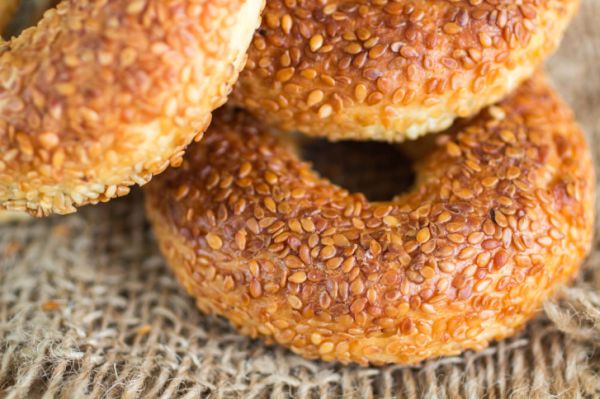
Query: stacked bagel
(100, 96)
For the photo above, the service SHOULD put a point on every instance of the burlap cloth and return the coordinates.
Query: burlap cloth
(88, 309)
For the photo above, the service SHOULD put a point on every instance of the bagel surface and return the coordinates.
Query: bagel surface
(392, 70)
(500, 215)
(102, 95)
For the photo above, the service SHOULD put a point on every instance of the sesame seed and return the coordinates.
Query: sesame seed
(423, 235)
(315, 97)
(452, 28)
(214, 241)
(298, 277)
(316, 42)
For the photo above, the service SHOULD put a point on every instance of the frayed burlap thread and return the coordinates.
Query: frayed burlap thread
(89, 310)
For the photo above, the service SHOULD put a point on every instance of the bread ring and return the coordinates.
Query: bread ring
(102, 95)
(501, 215)
(392, 70)
(7, 11)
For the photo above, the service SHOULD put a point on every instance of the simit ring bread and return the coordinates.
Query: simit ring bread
(102, 95)
(392, 70)
(501, 215)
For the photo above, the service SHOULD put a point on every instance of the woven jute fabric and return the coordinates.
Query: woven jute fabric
(89, 309)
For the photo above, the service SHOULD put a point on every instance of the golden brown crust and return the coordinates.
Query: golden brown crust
(501, 214)
(102, 95)
(7, 11)
(391, 70)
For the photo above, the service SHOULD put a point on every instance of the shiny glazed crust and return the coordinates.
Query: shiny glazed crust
(392, 70)
(501, 214)
(102, 95)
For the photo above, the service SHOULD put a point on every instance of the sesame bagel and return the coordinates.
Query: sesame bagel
(501, 214)
(392, 70)
(101, 95)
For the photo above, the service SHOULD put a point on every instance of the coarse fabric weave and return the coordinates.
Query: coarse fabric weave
(88, 309)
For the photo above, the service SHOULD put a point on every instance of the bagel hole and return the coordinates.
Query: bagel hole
(28, 14)
(380, 171)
